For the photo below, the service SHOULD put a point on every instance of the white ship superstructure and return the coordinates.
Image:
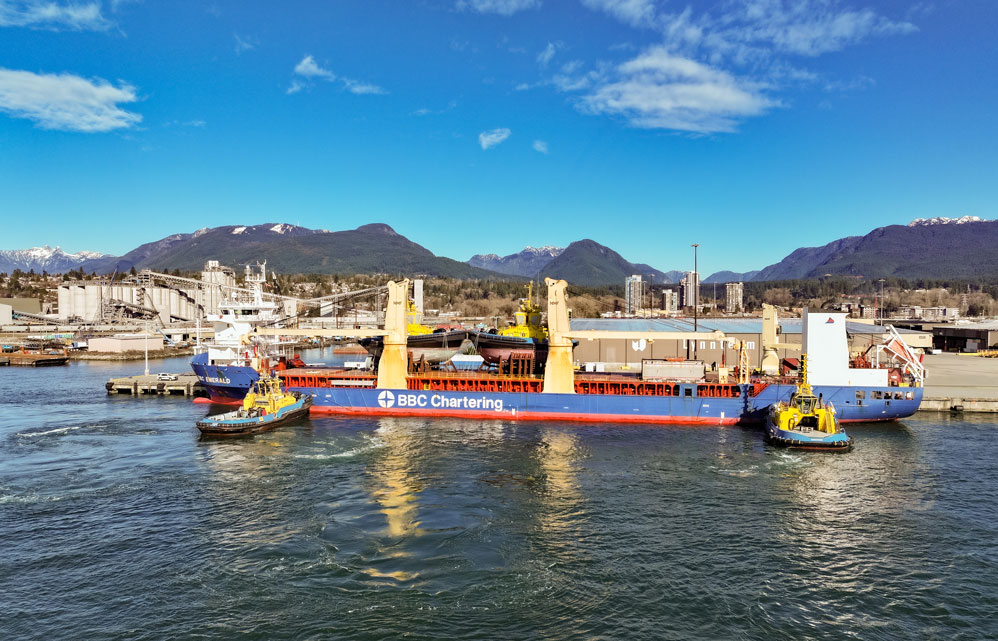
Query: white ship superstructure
(239, 313)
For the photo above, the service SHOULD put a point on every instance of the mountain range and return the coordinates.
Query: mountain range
(524, 263)
(584, 262)
(937, 248)
(39, 259)
(369, 249)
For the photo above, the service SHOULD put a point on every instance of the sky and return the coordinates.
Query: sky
(751, 127)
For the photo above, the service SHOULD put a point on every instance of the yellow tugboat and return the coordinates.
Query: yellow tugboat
(525, 338)
(265, 406)
(805, 422)
(424, 342)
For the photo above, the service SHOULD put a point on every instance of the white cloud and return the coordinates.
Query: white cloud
(545, 56)
(66, 102)
(756, 31)
(637, 13)
(717, 67)
(310, 69)
(660, 90)
(858, 83)
(809, 27)
(540, 146)
(501, 7)
(244, 44)
(40, 14)
(423, 111)
(491, 138)
(363, 88)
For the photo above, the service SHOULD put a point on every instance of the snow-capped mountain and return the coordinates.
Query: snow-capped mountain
(50, 259)
(523, 263)
(942, 220)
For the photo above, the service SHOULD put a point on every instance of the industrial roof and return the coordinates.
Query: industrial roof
(983, 325)
(725, 325)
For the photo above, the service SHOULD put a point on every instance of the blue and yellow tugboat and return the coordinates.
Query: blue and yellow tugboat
(526, 337)
(805, 422)
(432, 345)
(265, 406)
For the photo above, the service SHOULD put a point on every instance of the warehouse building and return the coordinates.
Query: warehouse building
(629, 353)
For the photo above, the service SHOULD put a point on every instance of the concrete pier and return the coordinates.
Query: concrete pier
(958, 383)
(186, 385)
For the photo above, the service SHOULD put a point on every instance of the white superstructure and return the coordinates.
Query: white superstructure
(827, 348)
(239, 313)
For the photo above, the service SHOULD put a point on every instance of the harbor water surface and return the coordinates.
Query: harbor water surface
(118, 522)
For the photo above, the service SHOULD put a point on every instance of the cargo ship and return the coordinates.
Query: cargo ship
(859, 394)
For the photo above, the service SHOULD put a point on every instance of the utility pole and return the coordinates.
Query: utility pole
(147, 346)
(696, 296)
(881, 301)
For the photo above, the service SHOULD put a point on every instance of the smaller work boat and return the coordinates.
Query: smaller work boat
(265, 406)
(526, 338)
(433, 346)
(805, 422)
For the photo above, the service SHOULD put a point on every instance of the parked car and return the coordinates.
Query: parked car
(162, 376)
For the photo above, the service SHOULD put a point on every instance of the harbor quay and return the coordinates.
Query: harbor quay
(960, 383)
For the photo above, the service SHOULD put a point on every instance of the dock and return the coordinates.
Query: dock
(955, 383)
(187, 384)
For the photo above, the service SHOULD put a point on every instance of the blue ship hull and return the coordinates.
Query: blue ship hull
(877, 404)
(840, 441)
(224, 383)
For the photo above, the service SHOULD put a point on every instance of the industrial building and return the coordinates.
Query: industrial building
(125, 343)
(151, 295)
(631, 352)
(969, 337)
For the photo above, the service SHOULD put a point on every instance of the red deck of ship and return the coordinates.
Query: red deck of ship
(618, 385)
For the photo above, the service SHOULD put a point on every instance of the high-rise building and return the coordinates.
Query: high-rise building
(733, 295)
(670, 301)
(689, 287)
(633, 291)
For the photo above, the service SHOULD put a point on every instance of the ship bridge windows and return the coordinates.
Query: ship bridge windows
(860, 394)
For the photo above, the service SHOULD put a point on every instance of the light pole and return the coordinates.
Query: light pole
(696, 297)
(147, 347)
(881, 301)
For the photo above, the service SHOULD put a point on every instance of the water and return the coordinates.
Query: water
(118, 522)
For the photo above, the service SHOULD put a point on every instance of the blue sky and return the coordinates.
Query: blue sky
(750, 126)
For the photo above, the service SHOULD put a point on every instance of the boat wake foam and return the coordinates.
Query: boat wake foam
(58, 430)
